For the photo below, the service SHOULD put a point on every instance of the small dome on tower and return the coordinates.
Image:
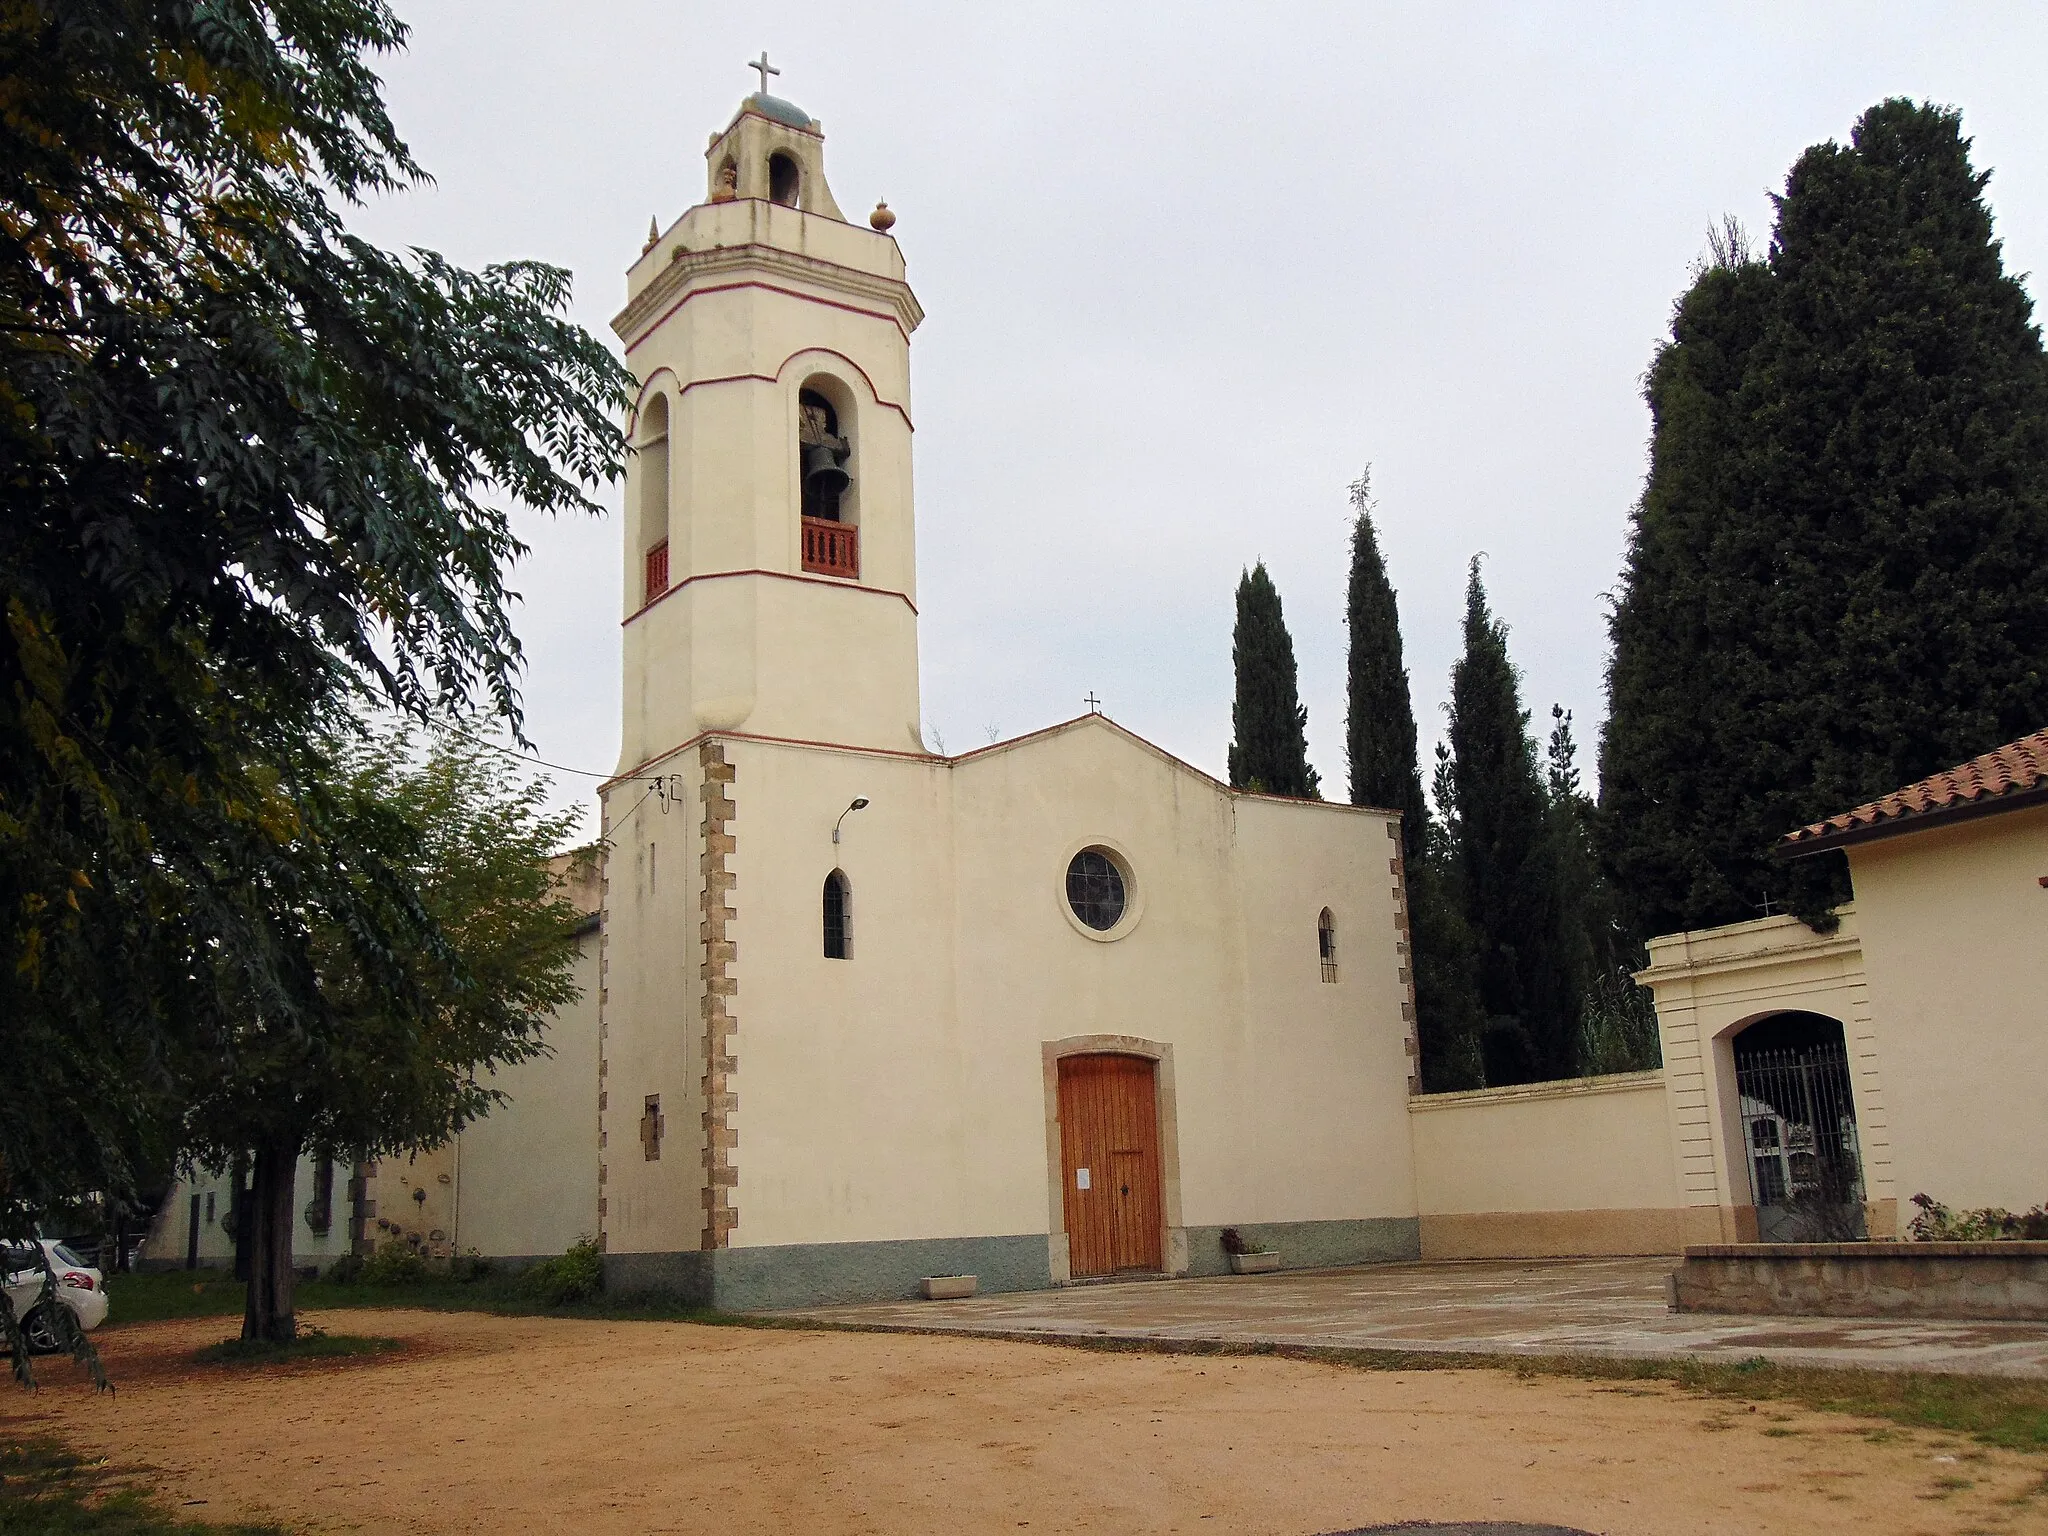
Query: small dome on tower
(776, 108)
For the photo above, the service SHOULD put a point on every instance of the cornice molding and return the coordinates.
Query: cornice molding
(695, 272)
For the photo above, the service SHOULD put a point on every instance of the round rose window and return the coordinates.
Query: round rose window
(1095, 889)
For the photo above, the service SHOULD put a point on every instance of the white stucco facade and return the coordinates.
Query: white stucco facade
(1954, 926)
(779, 1122)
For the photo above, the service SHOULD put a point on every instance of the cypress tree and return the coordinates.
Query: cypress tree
(1450, 1020)
(1837, 578)
(1379, 723)
(1617, 1019)
(1379, 741)
(1506, 862)
(1270, 752)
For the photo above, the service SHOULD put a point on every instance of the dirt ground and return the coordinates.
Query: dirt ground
(492, 1424)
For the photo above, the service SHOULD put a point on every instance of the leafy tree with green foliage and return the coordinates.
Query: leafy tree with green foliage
(1379, 738)
(492, 960)
(1269, 752)
(1506, 861)
(1837, 578)
(254, 470)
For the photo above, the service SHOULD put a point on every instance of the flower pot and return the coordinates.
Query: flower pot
(1254, 1263)
(947, 1287)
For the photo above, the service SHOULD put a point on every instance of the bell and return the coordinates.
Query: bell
(822, 470)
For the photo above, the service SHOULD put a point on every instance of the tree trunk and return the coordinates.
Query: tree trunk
(268, 1313)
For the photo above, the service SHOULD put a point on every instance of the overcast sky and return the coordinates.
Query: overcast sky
(1187, 270)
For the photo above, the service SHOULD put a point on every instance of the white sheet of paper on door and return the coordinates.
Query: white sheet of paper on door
(1080, 1178)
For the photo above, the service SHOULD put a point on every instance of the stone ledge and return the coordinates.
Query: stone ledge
(1872, 1250)
(2005, 1282)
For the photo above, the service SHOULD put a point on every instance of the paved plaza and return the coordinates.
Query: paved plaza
(1613, 1307)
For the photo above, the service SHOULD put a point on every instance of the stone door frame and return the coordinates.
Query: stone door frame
(1173, 1246)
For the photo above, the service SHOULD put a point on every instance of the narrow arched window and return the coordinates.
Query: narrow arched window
(838, 917)
(1326, 944)
(652, 452)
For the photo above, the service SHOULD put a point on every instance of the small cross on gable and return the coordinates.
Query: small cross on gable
(1094, 704)
(764, 69)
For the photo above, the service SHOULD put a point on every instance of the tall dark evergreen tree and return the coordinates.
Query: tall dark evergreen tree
(1838, 575)
(1617, 1018)
(1449, 1016)
(1506, 862)
(1379, 740)
(1379, 723)
(1270, 726)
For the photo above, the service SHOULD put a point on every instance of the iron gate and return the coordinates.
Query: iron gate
(1799, 1131)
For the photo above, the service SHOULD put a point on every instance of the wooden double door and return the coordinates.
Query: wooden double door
(1109, 1151)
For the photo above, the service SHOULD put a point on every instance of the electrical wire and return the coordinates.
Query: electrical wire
(541, 762)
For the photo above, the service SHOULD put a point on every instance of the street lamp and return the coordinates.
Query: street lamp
(860, 803)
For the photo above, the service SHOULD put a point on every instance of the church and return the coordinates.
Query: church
(856, 1015)
(1064, 1007)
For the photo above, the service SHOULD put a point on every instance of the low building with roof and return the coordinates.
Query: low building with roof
(1907, 1046)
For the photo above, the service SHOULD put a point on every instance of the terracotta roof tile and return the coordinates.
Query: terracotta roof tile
(2016, 772)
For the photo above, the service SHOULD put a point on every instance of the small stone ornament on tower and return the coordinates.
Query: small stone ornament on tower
(882, 219)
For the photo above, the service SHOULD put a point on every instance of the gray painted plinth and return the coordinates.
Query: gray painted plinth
(1311, 1244)
(821, 1274)
(824, 1274)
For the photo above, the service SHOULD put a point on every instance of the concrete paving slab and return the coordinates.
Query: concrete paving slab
(1609, 1307)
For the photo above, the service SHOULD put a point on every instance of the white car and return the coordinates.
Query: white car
(79, 1287)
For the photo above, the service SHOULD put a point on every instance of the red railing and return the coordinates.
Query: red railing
(657, 571)
(831, 549)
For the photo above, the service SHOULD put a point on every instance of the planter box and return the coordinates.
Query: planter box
(947, 1287)
(2003, 1281)
(1254, 1263)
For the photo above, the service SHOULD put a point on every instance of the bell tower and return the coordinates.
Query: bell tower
(770, 551)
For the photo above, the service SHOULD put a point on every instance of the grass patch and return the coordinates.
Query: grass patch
(311, 1344)
(174, 1294)
(47, 1491)
(1992, 1410)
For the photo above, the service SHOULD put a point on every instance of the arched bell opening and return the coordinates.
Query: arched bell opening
(1800, 1141)
(785, 180)
(826, 477)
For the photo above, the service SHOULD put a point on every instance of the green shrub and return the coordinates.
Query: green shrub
(1936, 1223)
(468, 1268)
(394, 1264)
(577, 1275)
(346, 1270)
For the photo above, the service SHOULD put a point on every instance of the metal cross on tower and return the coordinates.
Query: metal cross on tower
(765, 69)
(1094, 704)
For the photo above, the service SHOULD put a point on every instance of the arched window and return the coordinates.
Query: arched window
(785, 181)
(838, 917)
(652, 451)
(1326, 944)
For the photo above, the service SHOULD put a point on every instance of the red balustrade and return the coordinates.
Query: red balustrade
(831, 549)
